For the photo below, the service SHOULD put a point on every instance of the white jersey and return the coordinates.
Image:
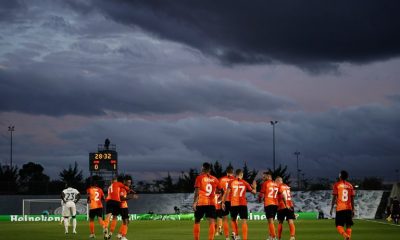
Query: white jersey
(70, 194)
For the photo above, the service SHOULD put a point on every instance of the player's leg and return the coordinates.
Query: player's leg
(290, 218)
(198, 215)
(66, 213)
(349, 223)
(270, 212)
(340, 221)
(244, 216)
(73, 212)
(234, 223)
(123, 230)
(281, 218)
(91, 223)
(225, 219)
(280, 228)
(211, 215)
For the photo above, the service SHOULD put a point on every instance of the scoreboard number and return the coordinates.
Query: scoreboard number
(103, 161)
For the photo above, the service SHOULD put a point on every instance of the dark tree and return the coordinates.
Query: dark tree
(32, 179)
(167, 185)
(73, 177)
(248, 175)
(8, 179)
(281, 172)
(216, 170)
(372, 183)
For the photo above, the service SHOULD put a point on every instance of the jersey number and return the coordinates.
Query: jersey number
(96, 196)
(70, 196)
(209, 189)
(345, 195)
(272, 192)
(236, 189)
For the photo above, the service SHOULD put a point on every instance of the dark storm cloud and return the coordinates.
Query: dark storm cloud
(8, 9)
(313, 34)
(54, 91)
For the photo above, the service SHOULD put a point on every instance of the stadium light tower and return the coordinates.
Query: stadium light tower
(273, 123)
(297, 153)
(11, 130)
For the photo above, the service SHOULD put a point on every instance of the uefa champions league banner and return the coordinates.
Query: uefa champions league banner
(138, 217)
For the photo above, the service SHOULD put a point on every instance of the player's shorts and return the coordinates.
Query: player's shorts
(69, 209)
(227, 209)
(124, 213)
(207, 210)
(112, 207)
(270, 211)
(286, 214)
(96, 212)
(344, 217)
(239, 210)
(220, 213)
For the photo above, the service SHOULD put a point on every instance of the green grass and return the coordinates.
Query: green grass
(182, 230)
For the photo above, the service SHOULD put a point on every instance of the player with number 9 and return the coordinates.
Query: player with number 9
(205, 186)
(343, 196)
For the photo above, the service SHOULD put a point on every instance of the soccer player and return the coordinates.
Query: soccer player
(223, 184)
(113, 202)
(269, 191)
(237, 189)
(70, 196)
(395, 210)
(285, 208)
(94, 199)
(343, 196)
(124, 211)
(205, 186)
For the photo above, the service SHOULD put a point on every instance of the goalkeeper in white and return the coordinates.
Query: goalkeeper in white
(70, 196)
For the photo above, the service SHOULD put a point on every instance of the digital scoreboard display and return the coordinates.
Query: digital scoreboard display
(103, 161)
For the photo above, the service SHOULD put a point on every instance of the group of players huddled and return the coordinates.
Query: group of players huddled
(217, 198)
(119, 192)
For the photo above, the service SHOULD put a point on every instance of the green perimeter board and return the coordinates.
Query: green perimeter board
(134, 217)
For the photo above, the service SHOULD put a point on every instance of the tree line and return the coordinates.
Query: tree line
(31, 179)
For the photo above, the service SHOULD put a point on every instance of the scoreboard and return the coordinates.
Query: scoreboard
(103, 161)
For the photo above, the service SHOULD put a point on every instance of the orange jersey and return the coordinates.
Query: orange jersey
(284, 189)
(114, 191)
(95, 195)
(237, 190)
(124, 203)
(207, 186)
(344, 192)
(224, 183)
(269, 190)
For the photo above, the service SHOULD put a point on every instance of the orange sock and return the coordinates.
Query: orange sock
(101, 222)
(271, 227)
(235, 227)
(91, 227)
(280, 228)
(292, 229)
(219, 223)
(196, 231)
(244, 231)
(113, 224)
(341, 231)
(226, 228)
(348, 231)
(106, 221)
(124, 230)
(211, 231)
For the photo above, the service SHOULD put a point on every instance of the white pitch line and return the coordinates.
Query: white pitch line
(390, 224)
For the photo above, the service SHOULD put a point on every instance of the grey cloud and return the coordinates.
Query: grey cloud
(311, 34)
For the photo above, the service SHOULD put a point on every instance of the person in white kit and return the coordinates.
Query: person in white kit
(69, 196)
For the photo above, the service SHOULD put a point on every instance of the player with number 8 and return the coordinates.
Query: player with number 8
(343, 196)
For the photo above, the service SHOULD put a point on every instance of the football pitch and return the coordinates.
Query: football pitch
(182, 230)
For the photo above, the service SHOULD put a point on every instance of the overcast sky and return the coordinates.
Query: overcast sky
(174, 83)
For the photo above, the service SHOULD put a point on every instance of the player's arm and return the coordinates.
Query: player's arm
(63, 197)
(254, 187)
(333, 203)
(78, 197)
(195, 198)
(284, 198)
(226, 194)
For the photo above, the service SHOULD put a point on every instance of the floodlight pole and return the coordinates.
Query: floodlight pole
(273, 123)
(297, 153)
(11, 129)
